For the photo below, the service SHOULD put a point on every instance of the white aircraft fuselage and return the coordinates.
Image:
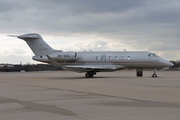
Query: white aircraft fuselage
(128, 59)
(93, 61)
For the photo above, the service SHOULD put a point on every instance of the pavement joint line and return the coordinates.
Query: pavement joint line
(138, 100)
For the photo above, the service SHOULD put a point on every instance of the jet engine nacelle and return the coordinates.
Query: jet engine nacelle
(64, 56)
(58, 56)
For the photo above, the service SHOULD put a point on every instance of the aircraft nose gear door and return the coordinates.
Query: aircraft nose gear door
(103, 58)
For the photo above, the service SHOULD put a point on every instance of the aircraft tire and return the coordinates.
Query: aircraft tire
(154, 75)
(89, 74)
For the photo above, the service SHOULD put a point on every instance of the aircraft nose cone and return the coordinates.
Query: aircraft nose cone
(169, 64)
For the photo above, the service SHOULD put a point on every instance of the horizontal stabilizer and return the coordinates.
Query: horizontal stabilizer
(36, 43)
(12, 35)
(29, 36)
(26, 36)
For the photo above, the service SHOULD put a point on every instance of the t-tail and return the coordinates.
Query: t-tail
(37, 44)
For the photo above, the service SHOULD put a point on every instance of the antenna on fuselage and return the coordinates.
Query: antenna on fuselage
(124, 50)
(90, 50)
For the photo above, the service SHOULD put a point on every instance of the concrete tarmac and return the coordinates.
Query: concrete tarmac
(64, 95)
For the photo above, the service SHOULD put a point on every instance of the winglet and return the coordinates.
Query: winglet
(54, 62)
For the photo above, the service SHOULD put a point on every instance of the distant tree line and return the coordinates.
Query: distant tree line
(176, 64)
(26, 67)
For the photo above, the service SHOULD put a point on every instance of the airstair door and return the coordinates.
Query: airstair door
(103, 58)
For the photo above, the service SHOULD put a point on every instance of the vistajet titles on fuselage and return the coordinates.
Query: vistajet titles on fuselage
(92, 62)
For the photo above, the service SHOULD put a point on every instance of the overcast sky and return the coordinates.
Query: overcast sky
(99, 25)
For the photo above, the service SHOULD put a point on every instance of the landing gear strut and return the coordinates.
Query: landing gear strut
(154, 73)
(139, 72)
(90, 74)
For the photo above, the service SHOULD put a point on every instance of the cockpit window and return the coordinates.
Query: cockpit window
(152, 55)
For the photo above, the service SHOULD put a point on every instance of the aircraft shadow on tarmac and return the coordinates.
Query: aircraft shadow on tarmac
(98, 77)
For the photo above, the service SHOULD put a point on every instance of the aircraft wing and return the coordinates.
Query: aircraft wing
(87, 68)
(54, 62)
(98, 68)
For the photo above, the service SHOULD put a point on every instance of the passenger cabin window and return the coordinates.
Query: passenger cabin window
(122, 57)
(116, 57)
(129, 58)
(109, 57)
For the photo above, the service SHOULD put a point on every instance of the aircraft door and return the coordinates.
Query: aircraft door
(103, 58)
(75, 55)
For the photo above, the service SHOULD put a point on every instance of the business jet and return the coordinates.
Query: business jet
(92, 62)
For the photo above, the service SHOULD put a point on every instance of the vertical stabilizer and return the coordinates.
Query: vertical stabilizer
(37, 44)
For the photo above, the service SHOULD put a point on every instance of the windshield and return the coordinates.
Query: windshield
(152, 55)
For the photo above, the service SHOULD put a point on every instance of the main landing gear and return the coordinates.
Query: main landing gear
(90, 74)
(139, 72)
(154, 73)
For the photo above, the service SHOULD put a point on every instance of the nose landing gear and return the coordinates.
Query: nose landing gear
(154, 73)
